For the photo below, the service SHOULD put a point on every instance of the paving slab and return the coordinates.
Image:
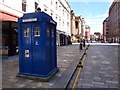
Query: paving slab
(100, 69)
(67, 57)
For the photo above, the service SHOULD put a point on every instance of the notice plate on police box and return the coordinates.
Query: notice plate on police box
(29, 20)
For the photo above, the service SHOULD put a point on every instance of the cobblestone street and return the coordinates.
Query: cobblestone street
(66, 56)
(100, 68)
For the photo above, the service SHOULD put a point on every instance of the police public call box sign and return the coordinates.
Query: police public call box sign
(37, 45)
(29, 20)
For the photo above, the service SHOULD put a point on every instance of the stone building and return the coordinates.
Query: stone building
(105, 29)
(98, 36)
(83, 29)
(87, 33)
(76, 25)
(114, 22)
(10, 11)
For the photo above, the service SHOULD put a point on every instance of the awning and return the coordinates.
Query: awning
(6, 16)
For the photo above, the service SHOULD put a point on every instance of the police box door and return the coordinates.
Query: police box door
(30, 48)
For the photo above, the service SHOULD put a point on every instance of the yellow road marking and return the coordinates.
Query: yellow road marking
(77, 76)
(76, 79)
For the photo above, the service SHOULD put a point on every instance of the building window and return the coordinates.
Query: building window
(59, 22)
(51, 14)
(24, 5)
(37, 31)
(65, 11)
(68, 24)
(59, 8)
(68, 16)
(63, 23)
(56, 18)
(56, 5)
(76, 24)
(45, 10)
(51, 2)
(106, 32)
(36, 5)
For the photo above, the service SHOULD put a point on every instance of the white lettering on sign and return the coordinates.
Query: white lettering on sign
(52, 22)
(29, 20)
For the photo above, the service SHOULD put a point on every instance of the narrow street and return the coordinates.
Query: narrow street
(100, 69)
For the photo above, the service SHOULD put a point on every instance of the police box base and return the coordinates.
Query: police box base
(44, 79)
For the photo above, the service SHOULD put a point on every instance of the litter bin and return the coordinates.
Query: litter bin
(37, 45)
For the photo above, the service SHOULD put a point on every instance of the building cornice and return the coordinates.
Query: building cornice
(113, 4)
(64, 6)
(67, 3)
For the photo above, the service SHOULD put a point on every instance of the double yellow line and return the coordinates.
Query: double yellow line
(80, 66)
(76, 78)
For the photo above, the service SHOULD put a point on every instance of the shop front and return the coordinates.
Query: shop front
(9, 32)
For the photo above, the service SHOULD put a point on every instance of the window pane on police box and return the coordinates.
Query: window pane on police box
(26, 32)
(37, 31)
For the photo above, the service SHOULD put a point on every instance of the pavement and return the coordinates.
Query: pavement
(100, 69)
(66, 56)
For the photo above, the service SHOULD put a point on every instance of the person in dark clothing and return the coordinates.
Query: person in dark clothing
(80, 47)
(83, 42)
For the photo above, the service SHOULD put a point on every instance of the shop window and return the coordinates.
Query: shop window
(37, 31)
(26, 32)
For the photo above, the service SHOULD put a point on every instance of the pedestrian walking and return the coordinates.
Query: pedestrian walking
(80, 46)
(83, 42)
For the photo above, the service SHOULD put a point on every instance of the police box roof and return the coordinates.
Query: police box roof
(36, 17)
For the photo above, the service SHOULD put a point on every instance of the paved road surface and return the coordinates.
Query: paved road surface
(66, 56)
(100, 68)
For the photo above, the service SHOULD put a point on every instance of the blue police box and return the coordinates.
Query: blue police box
(37, 45)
